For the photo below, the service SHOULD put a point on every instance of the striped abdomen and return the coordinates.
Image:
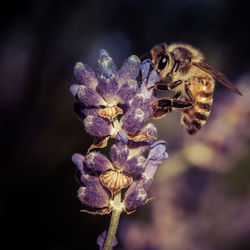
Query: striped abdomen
(195, 117)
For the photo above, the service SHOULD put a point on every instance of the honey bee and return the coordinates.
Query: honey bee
(182, 69)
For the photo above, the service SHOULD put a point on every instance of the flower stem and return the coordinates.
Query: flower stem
(117, 209)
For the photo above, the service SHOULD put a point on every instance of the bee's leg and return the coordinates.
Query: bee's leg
(177, 95)
(172, 85)
(173, 103)
(189, 94)
(165, 105)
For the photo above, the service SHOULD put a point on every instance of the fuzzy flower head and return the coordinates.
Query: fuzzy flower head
(102, 178)
(111, 95)
(117, 104)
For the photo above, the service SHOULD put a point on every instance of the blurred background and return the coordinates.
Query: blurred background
(202, 191)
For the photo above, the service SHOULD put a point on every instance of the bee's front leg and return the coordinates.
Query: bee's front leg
(162, 86)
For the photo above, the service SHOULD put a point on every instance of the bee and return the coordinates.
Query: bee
(182, 69)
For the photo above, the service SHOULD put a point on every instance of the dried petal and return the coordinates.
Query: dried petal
(99, 142)
(110, 112)
(115, 181)
(141, 136)
(94, 211)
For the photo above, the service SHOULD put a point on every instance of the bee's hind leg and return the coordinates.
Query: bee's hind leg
(165, 105)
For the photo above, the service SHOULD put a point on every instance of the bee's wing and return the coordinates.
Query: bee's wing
(217, 75)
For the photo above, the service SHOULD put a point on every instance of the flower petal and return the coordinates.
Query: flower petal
(85, 75)
(89, 96)
(115, 181)
(135, 165)
(136, 116)
(94, 195)
(107, 73)
(119, 155)
(97, 126)
(127, 91)
(135, 197)
(129, 70)
(98, 162)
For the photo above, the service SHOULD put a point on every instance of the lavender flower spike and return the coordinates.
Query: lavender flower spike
(116, 104)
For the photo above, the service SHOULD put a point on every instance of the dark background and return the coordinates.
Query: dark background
(39, 45)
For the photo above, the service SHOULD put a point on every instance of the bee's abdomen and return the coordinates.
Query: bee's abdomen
(196, 116)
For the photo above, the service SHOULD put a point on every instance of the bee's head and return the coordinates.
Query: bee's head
(162, 60)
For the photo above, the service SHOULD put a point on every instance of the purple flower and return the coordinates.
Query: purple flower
(136, 195)
(100, 95)
(112, 93)
(141, 106)
(117, 103)
(92, 194)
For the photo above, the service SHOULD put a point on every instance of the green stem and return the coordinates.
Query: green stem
(117, 209)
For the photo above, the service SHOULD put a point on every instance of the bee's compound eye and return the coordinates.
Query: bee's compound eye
(163, 62)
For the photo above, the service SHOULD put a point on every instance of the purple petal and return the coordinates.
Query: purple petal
(157, 153)
(156, 156)
(78, 159)
(129, 70)
(97, 126)
(98, 162)
(107, 73)
(94, 194)
(89, 96)
(85, 75)
(119, 154)
(106, 66)
(135, 196)
(128, 90)
(149, 76)
(102, 238)
(121, 138)
(108, 88)
(137, 114)
(145, 67)
(73, 89)
(135, 165)
(153, 79)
